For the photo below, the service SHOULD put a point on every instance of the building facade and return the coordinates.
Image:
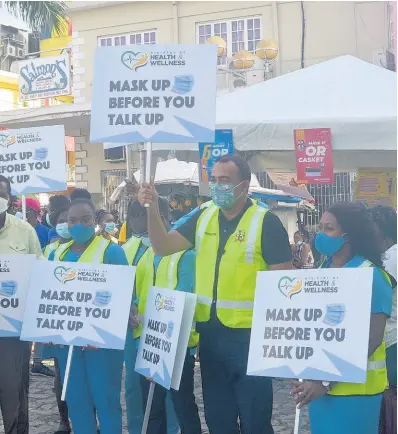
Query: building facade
(305, 33)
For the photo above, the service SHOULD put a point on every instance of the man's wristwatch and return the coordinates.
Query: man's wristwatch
(327, 385)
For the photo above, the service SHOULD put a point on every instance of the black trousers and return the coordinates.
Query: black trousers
(183, 401)
(228, 393)
(14, 385)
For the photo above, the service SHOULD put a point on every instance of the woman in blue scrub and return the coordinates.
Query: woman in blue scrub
(347, 238)
(96, 374)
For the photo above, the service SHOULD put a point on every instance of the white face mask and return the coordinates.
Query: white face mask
(3, 205)
(19, 215)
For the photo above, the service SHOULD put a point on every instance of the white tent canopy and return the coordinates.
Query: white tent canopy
(357, 100)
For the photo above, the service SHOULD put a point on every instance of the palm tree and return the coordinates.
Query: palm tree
(40, 15)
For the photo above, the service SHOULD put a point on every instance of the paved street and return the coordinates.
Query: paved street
(44, 413)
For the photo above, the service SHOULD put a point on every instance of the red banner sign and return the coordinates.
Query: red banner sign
(314, 160)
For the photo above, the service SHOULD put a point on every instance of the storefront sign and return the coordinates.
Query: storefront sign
(377, 187)
(79, 304)
(164, 338)
(156, 93)
(311, 324)
(15, 274)
(34, 159)
(314, 159)
(44, 77)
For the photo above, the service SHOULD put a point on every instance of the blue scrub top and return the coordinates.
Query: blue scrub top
(353, 414)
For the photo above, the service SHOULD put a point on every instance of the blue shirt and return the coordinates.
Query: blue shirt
(114, 254)
(381, 289)
(52, 233)
(42, 234)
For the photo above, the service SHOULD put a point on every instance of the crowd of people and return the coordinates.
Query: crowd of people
(214, 251)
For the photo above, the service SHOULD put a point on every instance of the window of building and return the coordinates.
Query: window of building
(239, 34)
(128, 39)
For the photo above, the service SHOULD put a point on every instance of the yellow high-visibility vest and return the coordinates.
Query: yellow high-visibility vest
(376, 376)
(238, 267)
(131, 248)
(93, 254)
(166, 277)
(50, 248)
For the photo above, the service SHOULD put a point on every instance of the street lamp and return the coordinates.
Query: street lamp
(220, 43)
(267, 50)
(243, 60)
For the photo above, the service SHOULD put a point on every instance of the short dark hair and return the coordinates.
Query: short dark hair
(385, 218)
(242, 165)
(80, 193)
(83, 201)
(58, 201)
(6, 181)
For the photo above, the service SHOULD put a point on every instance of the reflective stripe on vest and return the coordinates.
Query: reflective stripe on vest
(145, 274)
(238, 267)
(131, 248)
(149, 280)
(50, 248)
(376, 375)
(167, 277)
(94, 253)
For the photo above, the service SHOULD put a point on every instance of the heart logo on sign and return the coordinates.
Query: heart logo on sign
(64, 275)
(133, 60)
(289, 287)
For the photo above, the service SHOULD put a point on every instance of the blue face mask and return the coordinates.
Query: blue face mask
(334, 314)
(19, 215)
(8, 288)
(48, 219)
(110, 227)
(328, 246)
(223, 195)
(183, 83)
(63, 231)
(102, 298)
(81, 234)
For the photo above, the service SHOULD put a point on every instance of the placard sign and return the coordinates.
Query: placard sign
(311, 324)
(34, 159)
(314, 159)
(15, 271)
(154, 93)
(79, 304)
(165, 333)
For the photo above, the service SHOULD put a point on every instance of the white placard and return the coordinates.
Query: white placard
(312, 324)
(34, 159)
(154, 93)
(165, 334)
(44, 77)
(15, 272)
(79, 304)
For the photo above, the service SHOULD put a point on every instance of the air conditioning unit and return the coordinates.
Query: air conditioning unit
(11, 51)
(20, 53)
